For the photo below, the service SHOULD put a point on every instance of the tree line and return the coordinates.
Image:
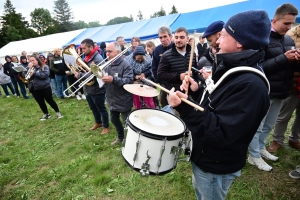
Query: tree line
(14, 27)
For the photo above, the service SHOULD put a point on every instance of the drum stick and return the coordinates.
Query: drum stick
(190, 63)
(182, 99)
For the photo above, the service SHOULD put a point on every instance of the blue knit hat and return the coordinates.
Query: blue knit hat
(251, 28)
(139, 50)
(214, 27)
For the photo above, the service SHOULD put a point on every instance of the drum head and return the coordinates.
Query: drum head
(157, 122)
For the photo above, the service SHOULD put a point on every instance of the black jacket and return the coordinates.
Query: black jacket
(221, 134)
(9, 71)
(172, 64)
(276, 66)
(201, 49)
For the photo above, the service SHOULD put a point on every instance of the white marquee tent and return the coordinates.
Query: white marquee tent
(42, 44)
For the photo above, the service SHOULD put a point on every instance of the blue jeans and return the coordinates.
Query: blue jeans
(115, 119)
(21, 85)
(61, 81)
(97, 105)
(211, 186)
(54, 86)
(4, 86)
(259, 140)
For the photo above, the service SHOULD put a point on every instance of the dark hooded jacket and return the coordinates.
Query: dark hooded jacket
(221, 134)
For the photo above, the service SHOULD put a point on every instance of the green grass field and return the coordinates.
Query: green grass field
(62, 159)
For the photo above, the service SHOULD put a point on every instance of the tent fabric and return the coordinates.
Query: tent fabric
(38, 44)
(199, 20)
(144, 29)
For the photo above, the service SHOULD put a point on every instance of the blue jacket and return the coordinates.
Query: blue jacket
(156, 55)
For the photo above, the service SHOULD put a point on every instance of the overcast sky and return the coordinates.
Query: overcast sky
(104, 10)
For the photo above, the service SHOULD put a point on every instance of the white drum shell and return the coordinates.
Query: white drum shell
(154, 148)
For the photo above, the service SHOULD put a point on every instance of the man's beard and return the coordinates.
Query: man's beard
(180, 47)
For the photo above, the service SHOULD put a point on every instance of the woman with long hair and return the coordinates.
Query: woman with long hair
(39, 86)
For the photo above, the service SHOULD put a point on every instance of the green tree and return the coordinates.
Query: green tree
(174, 10)
(160, 13)
(80, 24)
(94, 24)
(63, 15)
(139, 16)
(40, 19)
(13, 25)
(119, 20)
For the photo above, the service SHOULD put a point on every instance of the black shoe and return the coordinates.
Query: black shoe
(45, 116)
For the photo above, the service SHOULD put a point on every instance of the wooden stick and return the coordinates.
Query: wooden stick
(190, 63)
(182, 99)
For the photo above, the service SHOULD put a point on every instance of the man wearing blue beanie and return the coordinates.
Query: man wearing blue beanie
(233, 108)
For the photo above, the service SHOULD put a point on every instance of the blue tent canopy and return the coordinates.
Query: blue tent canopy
(199, 20)
(144, 29)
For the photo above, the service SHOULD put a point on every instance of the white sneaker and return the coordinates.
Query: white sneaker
(264, 153)
(83, 97)
(78, 97)
(259, 163)
(7, 96)
(73, 95)
(59, 115)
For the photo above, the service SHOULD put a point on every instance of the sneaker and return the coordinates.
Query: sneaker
(295, 145)
(264, 153)
(18, 97)
(15, 94)
(78, 97)
(59, 115)
(104, 131)
(295, 174)
(45, 116)
(274, 146)
(96, 126)
(117, 141)
(7, 96)
(72, 95)
(83, 97)
(259, 163)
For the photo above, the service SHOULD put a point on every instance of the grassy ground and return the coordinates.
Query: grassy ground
(61, 159)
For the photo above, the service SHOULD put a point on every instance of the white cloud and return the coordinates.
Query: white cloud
(104, 10)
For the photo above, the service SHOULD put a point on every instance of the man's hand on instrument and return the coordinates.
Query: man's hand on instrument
(189, 81)
(76, 74)
(108, 79)
(174, 97)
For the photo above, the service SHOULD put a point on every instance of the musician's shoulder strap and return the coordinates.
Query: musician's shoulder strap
(242, 69)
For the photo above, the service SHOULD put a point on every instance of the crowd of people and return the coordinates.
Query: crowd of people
(253, 85)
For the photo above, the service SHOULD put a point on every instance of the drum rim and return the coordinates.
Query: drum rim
(152, 135)
(151, 173)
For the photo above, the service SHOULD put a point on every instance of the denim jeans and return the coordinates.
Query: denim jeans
(259, 140)
(54, 87)
(4, 86)
(115, 119)
(21, 85)
(211, 186)
(97, 105)
(61, 81)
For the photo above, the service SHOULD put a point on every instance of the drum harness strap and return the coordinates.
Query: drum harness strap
(211, 86)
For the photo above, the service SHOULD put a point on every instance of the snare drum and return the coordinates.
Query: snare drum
(153, 141)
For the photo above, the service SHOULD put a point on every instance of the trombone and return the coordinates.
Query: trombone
(96, 72)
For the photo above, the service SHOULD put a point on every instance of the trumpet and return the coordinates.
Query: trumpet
(28, 75)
